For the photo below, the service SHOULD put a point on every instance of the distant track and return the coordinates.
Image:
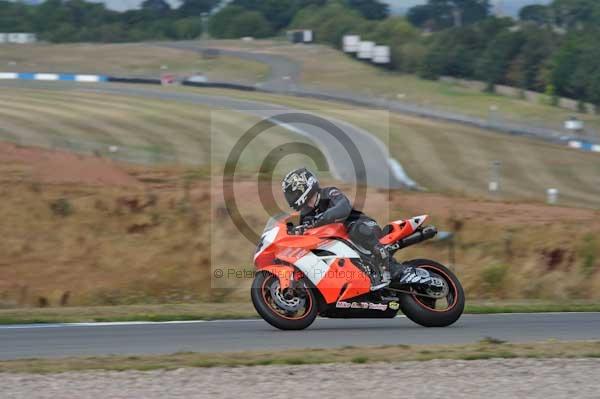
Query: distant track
(240, 335)
(284, 73)
(285, 79)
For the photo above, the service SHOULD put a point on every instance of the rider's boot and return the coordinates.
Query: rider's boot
(417, 277)
(381, 262)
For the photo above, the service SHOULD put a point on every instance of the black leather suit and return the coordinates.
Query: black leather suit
(334, 207)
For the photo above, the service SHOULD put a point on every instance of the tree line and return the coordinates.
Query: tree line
(551, 48)
(78, 20)
(62, 21)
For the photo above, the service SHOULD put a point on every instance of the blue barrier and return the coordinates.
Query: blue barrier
(584, 145)
(53, 77)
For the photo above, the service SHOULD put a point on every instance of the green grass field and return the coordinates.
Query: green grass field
(451, 158)
(322, 67)
(325, 67)
(442, 157)
(145, 130)
(126, 60)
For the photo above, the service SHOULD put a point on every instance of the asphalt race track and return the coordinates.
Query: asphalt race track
(60, 340)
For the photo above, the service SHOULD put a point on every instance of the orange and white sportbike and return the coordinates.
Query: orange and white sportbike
(305, 273)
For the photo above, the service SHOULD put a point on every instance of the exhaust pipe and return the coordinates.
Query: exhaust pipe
(418, 236)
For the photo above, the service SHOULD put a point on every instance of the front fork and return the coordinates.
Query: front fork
(287, 275)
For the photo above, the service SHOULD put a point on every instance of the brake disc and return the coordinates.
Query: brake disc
(438, 287)
(292, 304)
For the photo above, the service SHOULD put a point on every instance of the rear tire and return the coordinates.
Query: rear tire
(420, 310)
(276, 316)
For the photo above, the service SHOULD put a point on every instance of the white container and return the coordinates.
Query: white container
(307, 36)
(552, 196)
(574, 124)
(21, 38)
(381, 54)
(365, 50)
(351, 43)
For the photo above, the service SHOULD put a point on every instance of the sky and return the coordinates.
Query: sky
(507, 7)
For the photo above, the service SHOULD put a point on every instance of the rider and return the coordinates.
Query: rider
(320, 206)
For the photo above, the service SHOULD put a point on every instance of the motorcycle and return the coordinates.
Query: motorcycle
(305, 273)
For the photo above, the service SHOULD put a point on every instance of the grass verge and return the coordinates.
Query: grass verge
(129, 59)
(156, 313)
(485, 349)
(236, 310)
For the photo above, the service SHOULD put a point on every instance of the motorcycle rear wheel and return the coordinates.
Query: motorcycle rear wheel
(265, 286)
(424, 310)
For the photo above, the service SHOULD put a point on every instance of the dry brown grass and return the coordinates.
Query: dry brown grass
(152, 242)
(486, 349)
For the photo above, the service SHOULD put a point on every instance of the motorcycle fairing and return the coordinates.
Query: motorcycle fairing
(323, 257)
(399, 229)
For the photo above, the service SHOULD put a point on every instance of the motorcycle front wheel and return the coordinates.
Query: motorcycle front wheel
(294, 309)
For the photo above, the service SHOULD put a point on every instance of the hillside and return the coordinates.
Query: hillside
(118, 234)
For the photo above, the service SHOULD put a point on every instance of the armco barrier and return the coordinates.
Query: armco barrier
(144, 81)
(220, 85)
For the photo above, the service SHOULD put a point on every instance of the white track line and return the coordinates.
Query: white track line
(115, 323)
(143, 323)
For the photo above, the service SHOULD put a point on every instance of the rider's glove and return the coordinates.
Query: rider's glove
(316, 221)
(308, 221)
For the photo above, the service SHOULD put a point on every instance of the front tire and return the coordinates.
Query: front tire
(279, 310)
(423, 310)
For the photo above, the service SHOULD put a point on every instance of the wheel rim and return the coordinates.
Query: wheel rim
(433, 304)
(292, 306)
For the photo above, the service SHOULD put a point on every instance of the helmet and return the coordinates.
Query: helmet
(298, 187)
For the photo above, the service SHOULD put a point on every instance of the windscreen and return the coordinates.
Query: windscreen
(274, 220)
